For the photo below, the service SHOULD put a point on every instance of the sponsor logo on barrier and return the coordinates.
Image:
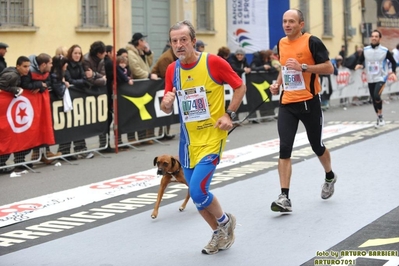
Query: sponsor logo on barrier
(343, 78)
(86, 111)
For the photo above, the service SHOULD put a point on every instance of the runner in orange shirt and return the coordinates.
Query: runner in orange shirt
(303, 57)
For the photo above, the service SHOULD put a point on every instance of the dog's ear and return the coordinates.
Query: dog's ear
(155, 160)
(174, 161)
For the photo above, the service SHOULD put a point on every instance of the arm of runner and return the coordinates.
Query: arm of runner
(168, 100)
(320, 68)
(225, 122)
(275, 87)
(392, 60)
(238, 95)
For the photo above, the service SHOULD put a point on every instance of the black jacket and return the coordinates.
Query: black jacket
(3, 64)
(258, 65)
(238, 66)
(123, 77)
(75, 75)
(97, 66)
(35, 79)
(10, 80)
(109, 73)
(57, 85)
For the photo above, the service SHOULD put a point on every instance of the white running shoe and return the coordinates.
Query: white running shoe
(227, 236)
(328, 188)
(282, 204)
(380, 123)
(213, 246)
(89, 155)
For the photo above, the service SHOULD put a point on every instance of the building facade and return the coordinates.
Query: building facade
(328, 19)
(36, 26)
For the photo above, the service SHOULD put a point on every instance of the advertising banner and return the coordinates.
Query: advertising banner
(254, 25)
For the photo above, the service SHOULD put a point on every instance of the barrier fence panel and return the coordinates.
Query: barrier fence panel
(258, 92)
(88, 118)
(349, 83)
(139, 110)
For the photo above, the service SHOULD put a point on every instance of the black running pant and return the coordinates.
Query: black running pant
(310, 114)
(376, 90)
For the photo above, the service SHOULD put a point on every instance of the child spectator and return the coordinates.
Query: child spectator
(122, 71)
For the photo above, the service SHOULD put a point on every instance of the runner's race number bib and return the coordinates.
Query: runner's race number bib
(292, 80)
(373, 67)
(193, 104)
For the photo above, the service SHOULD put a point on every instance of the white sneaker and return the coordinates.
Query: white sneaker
(227, 232)
(89, 155)
(282, 204)
(213, 246)
(328, 188)
(380, 123)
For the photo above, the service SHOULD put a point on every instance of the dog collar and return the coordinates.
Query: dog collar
(175, 172)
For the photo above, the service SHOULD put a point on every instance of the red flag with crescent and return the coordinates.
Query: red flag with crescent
(25, 122)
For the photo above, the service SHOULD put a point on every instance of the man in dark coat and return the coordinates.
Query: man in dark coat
(3, 51)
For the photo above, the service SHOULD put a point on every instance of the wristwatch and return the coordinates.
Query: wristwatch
(232, 114)
(304, 67)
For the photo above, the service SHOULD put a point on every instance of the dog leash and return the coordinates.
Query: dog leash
(250, 113)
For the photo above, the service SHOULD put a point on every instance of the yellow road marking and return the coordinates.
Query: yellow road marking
(379, 242)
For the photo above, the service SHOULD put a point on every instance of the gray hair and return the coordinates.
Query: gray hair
(301, 17)
(181, 24)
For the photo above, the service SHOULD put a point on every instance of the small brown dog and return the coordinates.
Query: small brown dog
(171, 171)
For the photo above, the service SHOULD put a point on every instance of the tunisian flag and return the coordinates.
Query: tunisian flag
(25, 122)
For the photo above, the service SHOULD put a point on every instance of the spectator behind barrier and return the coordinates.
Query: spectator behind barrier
(3, 51)
(239, 63)
(93, 65)
(140, 62)
(263, 62)
(75, 75)
(10, 81)
(224, 52)
(159, 69)
(351, 61)
(38, 80)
